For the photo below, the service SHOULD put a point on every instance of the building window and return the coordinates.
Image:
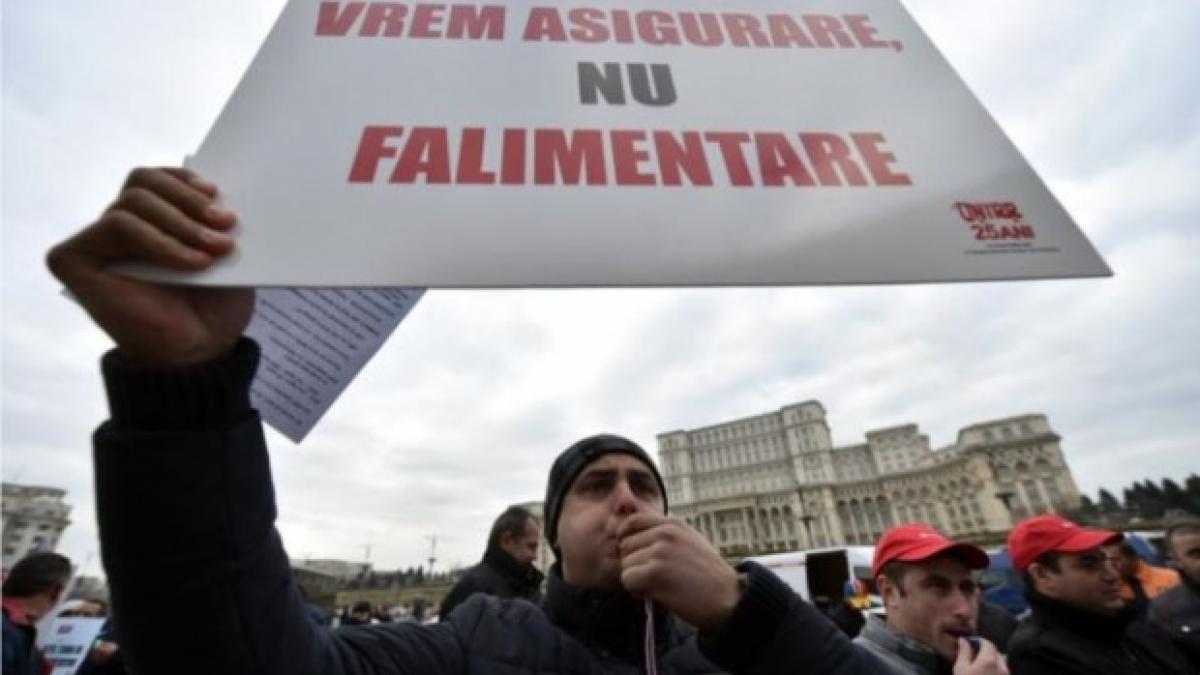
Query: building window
(1034, 496)
(1053, 491)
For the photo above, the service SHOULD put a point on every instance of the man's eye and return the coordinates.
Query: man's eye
(644, 488)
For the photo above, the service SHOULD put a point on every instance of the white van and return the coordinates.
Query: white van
(820, 575)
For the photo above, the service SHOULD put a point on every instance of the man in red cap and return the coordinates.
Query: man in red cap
(931, 600)
(1079, 623)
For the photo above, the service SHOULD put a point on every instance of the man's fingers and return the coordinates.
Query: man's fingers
(642, 555)
(637, 579)
(139, 240)
(963, 658)
(662, 532)
(987, 650)
(188, 176)
(185, 191)
(152, 208)
(639, 521)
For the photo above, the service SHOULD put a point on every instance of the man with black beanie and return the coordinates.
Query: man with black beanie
(186, 510)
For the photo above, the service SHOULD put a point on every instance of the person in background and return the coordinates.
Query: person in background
(930, 597)
(419, 608)
(506, 570)
(848, 614)
(32, 588)
(359, 614)
(1140, 582)
(1078, 623)
(1178, 610)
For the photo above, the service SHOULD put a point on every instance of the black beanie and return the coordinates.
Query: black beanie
(572, 462)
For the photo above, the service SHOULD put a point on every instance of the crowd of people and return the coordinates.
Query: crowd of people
(184, 491)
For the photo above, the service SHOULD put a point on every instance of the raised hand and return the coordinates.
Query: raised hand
(166, 217)
(672, 564)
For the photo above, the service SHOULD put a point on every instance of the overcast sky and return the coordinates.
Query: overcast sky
(468, 403)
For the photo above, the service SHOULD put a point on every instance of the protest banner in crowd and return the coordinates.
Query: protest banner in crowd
(67, 640)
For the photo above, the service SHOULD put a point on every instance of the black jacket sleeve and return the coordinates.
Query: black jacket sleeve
(772, 631)
(197, 571)
(466, 586)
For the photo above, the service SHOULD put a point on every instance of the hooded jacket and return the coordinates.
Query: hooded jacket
(498, 574)
(186, 510)
(1058, 639)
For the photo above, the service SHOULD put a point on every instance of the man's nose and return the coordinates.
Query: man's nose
(1109, 571)
(624, 501)
(963, 605)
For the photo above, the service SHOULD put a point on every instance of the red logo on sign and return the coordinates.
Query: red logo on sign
(992, 221)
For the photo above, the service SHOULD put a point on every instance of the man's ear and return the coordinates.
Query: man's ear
(506, 540)
(1041, 575)
(55, 593)
(886, 589)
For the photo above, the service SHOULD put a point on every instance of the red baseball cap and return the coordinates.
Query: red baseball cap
(916, 542)
(1042, 534)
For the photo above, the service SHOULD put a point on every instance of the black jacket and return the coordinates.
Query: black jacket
(498, 574)
(1056, 639)
(21, 657)
(1177, 611)
(995, 625)
(186, 511)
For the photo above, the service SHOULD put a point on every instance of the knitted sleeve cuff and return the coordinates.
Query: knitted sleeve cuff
(195, 397)
(755, 620)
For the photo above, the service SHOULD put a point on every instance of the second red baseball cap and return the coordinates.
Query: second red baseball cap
(916, 542)
(1042, 534)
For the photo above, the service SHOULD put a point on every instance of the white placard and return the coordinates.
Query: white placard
(314, 342)
(771, 142)
(67, 641)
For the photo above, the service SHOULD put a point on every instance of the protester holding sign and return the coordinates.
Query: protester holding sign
(184, 492)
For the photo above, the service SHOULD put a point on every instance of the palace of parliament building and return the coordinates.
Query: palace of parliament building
(774, 481)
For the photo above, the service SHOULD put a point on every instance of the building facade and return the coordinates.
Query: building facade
(34, 519)
(342, 570)
(775, 482)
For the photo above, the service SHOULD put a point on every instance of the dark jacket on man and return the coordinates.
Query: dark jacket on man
(21, 657)
(1177, 611)
(498, 574)
(996, 625)
(1057, 639)
(186, 511)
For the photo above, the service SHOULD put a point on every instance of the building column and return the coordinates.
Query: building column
(833, 520)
